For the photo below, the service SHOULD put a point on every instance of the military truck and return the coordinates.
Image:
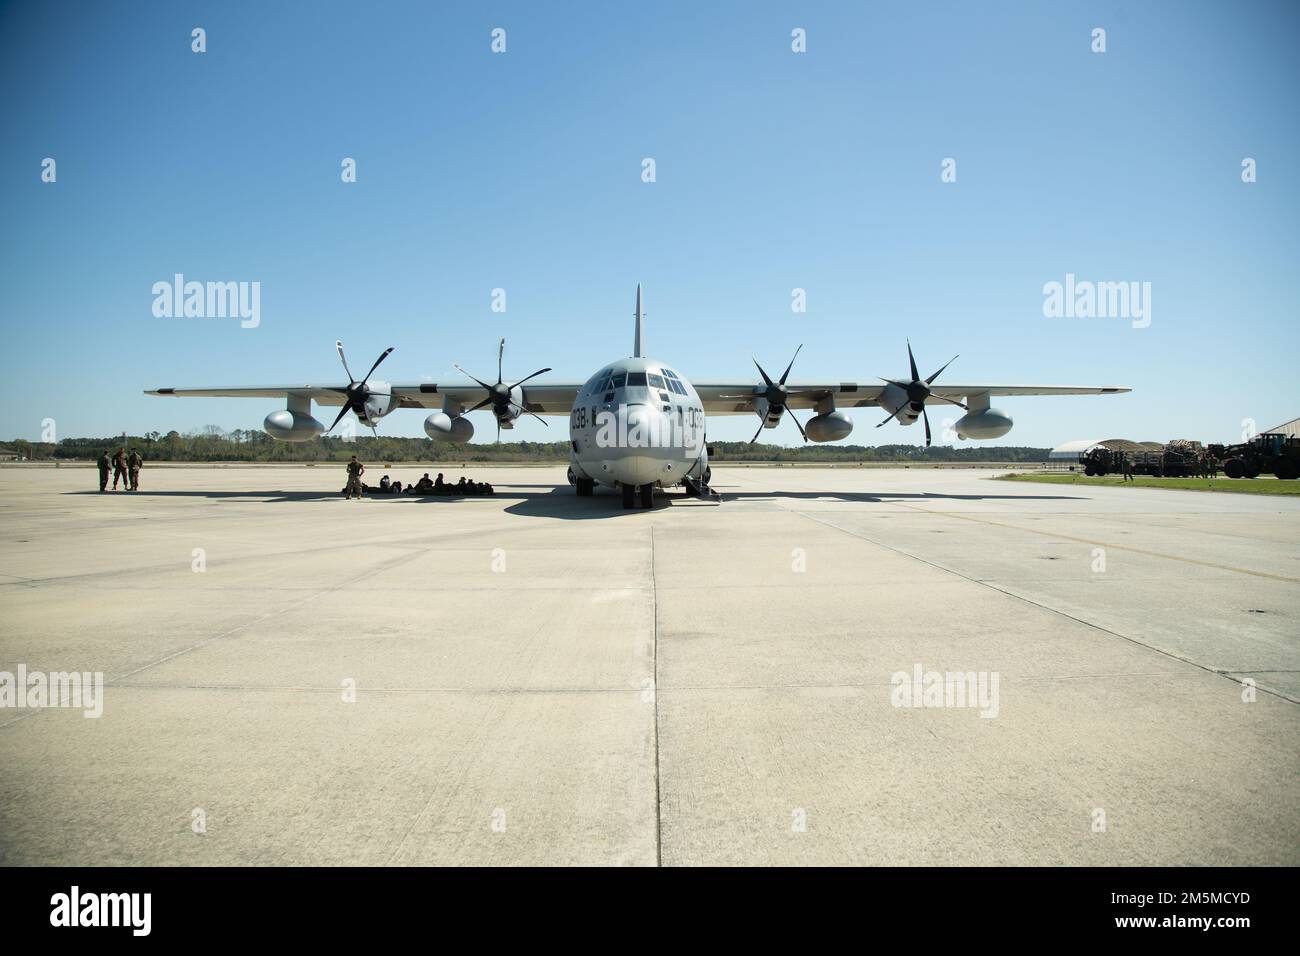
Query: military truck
(1270, 452)
(1177, 459)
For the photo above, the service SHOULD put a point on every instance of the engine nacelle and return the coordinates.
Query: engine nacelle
(894, 399)
(829, 427)
(986, 423)
(379, 403)
(442, 427)
(286, 425)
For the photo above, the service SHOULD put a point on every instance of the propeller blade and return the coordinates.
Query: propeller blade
(342, 411)
(797, 425)
(527, 412)
(486, 401)
(467, 375)
(927, 426)
(893, 416)
(916, 376)
(498, 431)
(501, 354)
(940, 398)
(767, 381)
(540, 371)
(760, 428)
(791, 365)
(894, 382)
(387, 352)
(338, 344)
(941, 368)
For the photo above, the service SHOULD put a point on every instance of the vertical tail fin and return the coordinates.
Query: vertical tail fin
(638, 346)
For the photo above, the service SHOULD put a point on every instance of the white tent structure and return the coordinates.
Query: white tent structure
(1071, 450)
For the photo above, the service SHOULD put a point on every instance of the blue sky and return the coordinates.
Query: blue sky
(775, 170)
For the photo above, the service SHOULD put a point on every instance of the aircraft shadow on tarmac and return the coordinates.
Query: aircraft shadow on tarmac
(559, 501)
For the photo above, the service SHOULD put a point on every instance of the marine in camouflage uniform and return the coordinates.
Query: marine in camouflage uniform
(104, 464)
(133, 464)
(355, 471)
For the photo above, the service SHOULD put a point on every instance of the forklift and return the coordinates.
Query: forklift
(1272, 451)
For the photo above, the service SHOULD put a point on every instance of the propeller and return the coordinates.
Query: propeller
(777, 395)
(918, 391)
(498, 395)
(356, 393)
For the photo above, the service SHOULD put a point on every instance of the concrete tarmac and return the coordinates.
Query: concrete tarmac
(537, 678)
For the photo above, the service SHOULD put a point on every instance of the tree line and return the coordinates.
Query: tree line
(252, 445)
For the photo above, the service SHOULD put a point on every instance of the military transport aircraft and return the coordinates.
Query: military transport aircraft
(638, 424)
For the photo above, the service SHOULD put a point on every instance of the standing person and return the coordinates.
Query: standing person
(134, 463)
(355, 471)
(1128, 467)
(119, 469)
(104, 465)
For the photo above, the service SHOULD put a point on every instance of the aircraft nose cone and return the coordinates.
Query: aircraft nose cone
(637, 469)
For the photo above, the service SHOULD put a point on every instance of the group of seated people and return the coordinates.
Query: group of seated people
(425, 486)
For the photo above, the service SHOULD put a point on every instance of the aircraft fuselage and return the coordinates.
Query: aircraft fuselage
(637, 422)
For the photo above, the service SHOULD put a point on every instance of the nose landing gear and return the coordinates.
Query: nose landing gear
(647, 493)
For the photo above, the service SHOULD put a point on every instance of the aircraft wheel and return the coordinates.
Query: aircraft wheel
(629, 493)
(647, 496)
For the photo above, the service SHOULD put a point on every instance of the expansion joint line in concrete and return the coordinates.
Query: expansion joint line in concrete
(654, 683)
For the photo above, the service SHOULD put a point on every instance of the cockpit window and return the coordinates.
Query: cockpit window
(674, 383)
(618, 381)
(656, 381)
(635, 379)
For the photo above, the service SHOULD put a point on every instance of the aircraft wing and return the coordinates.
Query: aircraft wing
(540, 399)
(739, 399)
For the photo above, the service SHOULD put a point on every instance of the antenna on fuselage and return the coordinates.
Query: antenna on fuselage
(638, 346)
